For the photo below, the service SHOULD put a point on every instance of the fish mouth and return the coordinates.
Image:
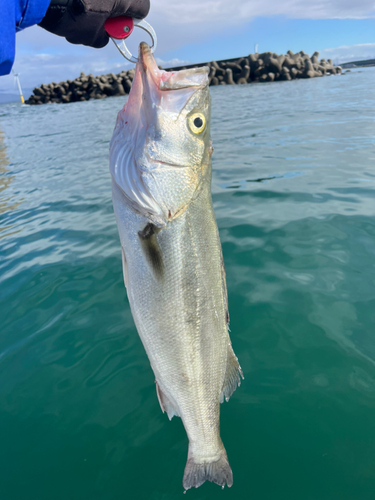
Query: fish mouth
(145, 55)
(147, 62)
(171, 80)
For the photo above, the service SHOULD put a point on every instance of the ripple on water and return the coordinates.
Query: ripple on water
(293, 191)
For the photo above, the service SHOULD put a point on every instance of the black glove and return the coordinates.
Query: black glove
(82, 21)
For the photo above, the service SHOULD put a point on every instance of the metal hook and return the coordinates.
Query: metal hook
(119, 28)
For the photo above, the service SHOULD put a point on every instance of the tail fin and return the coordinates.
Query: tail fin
(198, 471)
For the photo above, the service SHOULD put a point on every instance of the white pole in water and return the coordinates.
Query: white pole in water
(256, 48)
(19, 86)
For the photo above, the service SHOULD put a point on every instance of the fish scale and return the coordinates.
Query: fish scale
(172, 258)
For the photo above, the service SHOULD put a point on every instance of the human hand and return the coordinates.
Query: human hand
(82, 21)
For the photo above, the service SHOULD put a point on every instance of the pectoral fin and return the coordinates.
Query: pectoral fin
(152, 250)
(233, 375)
(124, 267)
(165, 404)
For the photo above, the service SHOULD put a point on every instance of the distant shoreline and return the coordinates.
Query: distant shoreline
(254, 68)
(366, 63)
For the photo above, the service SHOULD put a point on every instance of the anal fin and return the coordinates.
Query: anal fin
(165, 404)
(233, 375)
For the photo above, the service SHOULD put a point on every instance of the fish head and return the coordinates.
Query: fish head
(161, 148)
(177, 109)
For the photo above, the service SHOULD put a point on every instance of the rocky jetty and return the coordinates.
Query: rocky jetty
(266, 67)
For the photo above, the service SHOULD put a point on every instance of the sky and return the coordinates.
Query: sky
(193, 31)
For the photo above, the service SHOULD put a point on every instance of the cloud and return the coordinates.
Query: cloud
(171, 62)
(34, 70)
(43, 57)
(235, 11)
(51, 58)
(348, 53)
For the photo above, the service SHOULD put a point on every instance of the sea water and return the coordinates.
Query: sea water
(294, 195)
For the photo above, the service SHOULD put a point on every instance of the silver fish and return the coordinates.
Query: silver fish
(160, 162)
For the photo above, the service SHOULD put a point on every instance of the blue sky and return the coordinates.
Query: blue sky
(280, 34)
(203, 30)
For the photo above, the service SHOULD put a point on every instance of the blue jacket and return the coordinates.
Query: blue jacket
(15, 15)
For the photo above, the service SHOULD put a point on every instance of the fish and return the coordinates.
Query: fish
(173, 268)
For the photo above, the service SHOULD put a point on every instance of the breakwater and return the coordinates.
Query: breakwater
(254, 68)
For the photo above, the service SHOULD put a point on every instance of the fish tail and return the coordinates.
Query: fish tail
(199, 470)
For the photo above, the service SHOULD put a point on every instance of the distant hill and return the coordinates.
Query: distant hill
(367, 62)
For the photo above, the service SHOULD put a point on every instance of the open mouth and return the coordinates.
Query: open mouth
(171, 80)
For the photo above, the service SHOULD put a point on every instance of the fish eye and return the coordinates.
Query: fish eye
(197, 123)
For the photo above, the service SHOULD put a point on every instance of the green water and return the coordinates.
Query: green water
(294, 194)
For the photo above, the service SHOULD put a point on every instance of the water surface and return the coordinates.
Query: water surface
(294, 194)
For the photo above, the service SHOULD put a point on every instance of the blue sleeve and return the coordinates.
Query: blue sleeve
(15, 15)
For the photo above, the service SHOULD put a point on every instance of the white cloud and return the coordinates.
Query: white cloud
(348, 53)
(171, 62)
(43, 57)
(35, 66)
(218, 11)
